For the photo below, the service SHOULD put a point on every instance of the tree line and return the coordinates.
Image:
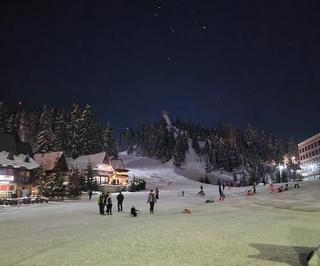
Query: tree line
(76, 132)
(223, 147)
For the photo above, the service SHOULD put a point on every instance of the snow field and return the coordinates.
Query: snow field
(239, 231)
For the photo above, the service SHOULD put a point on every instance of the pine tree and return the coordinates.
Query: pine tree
(45, 141)
(130, 149)
(9, 124)
(60, 131)
(51, 185)
(16, 123)
(88, 132)
(3, 116)
(195, 145)
(90, 180)
(208, 165)
(73, 134)
(179, 154)
(74, 188)
(24, 127)
(109, 142)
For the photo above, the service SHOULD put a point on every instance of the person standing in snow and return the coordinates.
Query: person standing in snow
(90, 194)
(120, 200)
(157, 193)
(201, 188)
(220, 190)
(151, 200)
(101, 203)
(109, 204)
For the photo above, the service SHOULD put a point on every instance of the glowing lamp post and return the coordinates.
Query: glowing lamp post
(281, 167)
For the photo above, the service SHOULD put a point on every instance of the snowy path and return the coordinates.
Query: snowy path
(267, 229)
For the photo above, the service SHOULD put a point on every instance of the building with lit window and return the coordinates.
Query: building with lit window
(16, 167)
(309, 155)
(106, 170)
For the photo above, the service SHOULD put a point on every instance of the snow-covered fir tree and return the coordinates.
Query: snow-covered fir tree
(179, 154)
(88, 132)
(74, 187)
(3, 116)
(60, 131)
(45, 140)
(109, 142)
(73, 132)
(90, 180)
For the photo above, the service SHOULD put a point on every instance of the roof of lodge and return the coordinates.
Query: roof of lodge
(19, 161)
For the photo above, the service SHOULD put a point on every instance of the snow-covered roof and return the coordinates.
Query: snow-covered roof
(117, 164)
(19, 161)
(83, 161)
(47, 161)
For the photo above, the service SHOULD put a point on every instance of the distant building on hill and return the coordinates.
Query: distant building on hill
(106, 170)
(16, 167)
(309, 155)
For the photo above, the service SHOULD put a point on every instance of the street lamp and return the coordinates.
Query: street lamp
(281, 167)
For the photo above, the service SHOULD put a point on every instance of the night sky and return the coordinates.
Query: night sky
(205, 61)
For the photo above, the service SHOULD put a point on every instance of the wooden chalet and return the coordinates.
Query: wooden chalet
(16, 167)
(106, 171)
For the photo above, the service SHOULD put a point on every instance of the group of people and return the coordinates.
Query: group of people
(105, 200)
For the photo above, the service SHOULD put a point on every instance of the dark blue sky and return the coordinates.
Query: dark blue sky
(207, 61)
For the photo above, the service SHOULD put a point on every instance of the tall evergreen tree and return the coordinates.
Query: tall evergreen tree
(3, 116)
(110, 145)
(88, 132)
(90, 180)
(73, 132)
(179, 154)
(73, 188)
(24, 127)
(60, 131)
(45, 139)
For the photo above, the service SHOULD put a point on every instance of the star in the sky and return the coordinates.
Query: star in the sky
(204, 27)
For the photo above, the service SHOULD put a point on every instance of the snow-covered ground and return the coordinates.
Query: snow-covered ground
(166, 176)
(265, 229)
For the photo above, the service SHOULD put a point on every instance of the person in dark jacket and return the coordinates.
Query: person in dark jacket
(109, 204)
(133, 211)
(220, 191)
(90, 194)
(101, 203)
(120, 200)
(157, 193)
(151, 200)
